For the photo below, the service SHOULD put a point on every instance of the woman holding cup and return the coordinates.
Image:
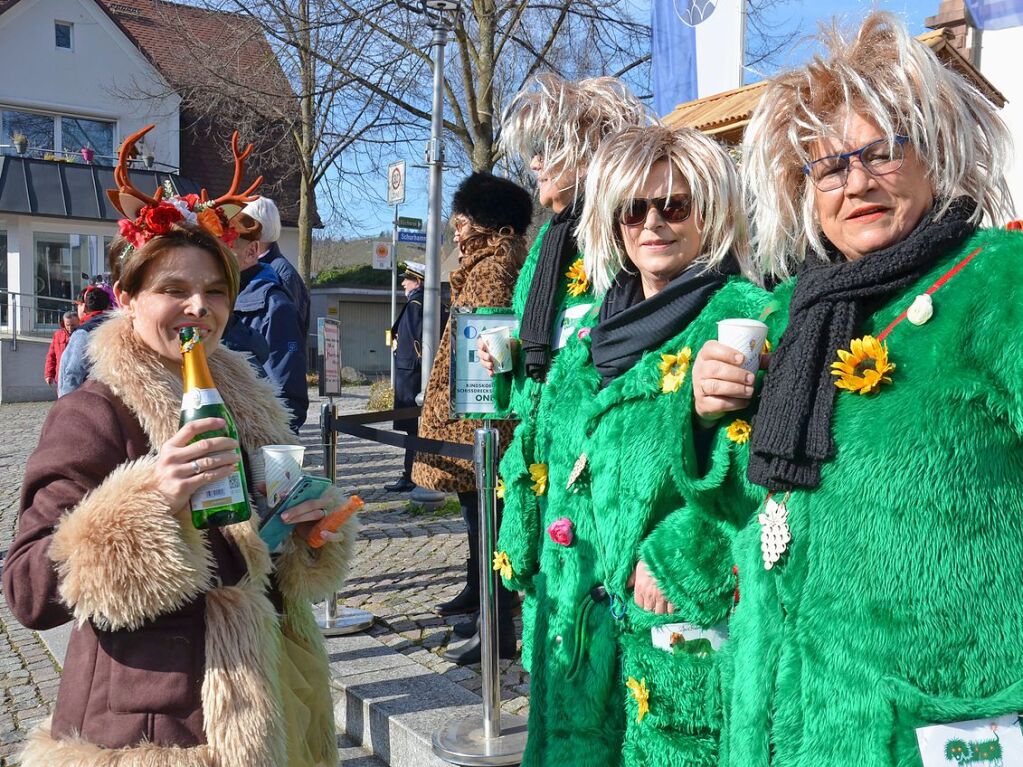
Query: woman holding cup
(881, 596)
(555, 125)
(490, 216)
(632, 589)
(190, 647)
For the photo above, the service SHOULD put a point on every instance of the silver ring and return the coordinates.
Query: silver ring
(196, 467)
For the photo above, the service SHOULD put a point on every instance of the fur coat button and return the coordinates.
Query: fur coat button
(921, 310)
(557, 639)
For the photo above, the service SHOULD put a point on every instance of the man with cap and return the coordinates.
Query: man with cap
(263, 212)
(265, 306)
(407, 343)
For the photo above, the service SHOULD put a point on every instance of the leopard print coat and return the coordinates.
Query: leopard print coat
(483, 278)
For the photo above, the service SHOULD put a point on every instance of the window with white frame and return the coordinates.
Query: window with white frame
(63, 33)
(62, 135)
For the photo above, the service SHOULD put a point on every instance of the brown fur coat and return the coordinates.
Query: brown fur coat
(173, 661)
(483, 278)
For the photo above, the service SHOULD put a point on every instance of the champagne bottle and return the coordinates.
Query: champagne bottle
(225, 501)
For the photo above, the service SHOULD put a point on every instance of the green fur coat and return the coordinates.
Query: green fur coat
(899, 601)
(624, 501)
(517, 394)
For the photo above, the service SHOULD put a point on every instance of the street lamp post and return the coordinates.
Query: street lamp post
(441, 14)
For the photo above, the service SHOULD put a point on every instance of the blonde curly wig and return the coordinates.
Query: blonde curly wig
(563, 121)
(882, 74)
(621, 167)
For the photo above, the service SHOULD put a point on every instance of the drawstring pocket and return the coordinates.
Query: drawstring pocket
(581, 638)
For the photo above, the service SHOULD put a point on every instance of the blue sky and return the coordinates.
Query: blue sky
(373, 216)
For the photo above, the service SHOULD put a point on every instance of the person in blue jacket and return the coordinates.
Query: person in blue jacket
(263, 212)
(239, 337)
(265, 306)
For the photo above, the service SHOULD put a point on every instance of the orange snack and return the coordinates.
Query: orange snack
(333, 521)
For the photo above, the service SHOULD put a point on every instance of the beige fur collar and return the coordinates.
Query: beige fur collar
(135, 374)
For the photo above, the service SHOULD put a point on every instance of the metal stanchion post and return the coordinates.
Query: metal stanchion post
(336, 620)
(495, 740)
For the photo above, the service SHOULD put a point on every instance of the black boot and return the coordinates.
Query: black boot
(471, 652)
(466, 629)
(401, 485)
(468, 599)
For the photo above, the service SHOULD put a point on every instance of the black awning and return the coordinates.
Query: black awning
(72, 190)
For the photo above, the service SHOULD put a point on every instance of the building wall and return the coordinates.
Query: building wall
(80, 245)
(364, 315)
(1001, 63)
(95, 79)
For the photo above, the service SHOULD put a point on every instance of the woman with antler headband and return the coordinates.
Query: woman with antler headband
(191, 647)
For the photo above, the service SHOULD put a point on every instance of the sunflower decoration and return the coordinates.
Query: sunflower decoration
(864, 367)
(578, 282)
(673, 369)
(502, 564)
(639, 691)
(739, 431)
(538, 473)
(499, 490)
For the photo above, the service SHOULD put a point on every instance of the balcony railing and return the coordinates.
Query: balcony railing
(75, 157)
(27, 315)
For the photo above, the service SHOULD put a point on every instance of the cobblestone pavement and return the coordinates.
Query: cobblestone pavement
(407, 562)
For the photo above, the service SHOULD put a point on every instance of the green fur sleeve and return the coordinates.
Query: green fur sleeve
(689, 551)
(519, 536)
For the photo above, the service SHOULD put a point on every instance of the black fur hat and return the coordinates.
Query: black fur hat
(494, 202)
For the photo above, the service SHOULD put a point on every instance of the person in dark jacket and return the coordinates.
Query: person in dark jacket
(74, 363)
(407, 343)
(239, 337)
(69, 323)
(263, 211)
(266, 307)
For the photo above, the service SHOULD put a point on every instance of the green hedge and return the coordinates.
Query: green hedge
(363, 274)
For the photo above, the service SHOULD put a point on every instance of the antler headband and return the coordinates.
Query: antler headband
(147, 216)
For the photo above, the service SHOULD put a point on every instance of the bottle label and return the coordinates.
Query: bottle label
(224, 492)
(197, 398)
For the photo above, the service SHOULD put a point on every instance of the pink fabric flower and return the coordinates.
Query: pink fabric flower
(582, 333)
(560, 531)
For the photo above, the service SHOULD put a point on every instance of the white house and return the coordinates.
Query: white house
(73, 74)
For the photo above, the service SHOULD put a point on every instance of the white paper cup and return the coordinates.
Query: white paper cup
(498, 341)
(745, 336)
(283, 467)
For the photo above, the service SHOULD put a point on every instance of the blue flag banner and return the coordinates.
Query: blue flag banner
(673, 57)
(996, 14)
(696, 49)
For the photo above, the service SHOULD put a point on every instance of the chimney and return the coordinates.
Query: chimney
(965, 38)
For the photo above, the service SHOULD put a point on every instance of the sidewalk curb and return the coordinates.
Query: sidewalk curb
(392, 705)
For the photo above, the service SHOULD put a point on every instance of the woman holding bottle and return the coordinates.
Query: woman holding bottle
(191, 646)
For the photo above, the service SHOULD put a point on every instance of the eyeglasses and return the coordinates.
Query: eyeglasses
(879, 158)
(674, 209)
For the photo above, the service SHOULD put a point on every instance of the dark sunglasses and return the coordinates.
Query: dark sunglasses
(674, 209)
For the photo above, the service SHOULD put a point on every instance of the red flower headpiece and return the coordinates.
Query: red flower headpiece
(147, 217)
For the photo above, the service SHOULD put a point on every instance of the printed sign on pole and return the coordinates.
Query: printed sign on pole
(396, 183)
(407, 236)
(471, 387)
(328, 334)
(382, 255)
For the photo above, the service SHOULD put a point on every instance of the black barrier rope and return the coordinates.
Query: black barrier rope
(355, 426)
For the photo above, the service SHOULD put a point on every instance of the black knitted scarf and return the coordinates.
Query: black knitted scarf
(556, 252)
(630, 325)
(792, 429)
